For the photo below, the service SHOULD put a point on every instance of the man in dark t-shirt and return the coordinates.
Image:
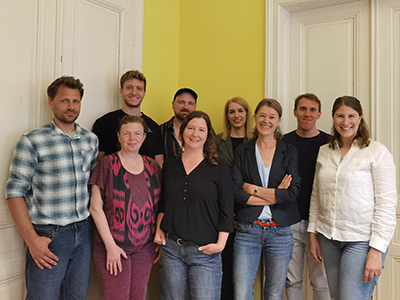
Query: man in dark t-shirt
(133, 90)
(307, 139)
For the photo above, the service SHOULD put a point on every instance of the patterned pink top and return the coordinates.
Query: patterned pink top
(129, 199)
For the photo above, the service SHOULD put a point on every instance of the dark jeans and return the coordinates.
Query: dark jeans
(69, 279)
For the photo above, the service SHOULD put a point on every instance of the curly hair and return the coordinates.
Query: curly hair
(209, 148)
(133, 74)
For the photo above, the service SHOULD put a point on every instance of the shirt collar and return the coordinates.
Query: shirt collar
(55, 130)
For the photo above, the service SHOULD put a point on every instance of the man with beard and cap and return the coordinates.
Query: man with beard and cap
(132, 90)
(185, 101)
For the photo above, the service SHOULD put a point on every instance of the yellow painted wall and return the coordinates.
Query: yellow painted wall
(160, 56)
(214, 47)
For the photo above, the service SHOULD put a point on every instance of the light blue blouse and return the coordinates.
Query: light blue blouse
(264, 174)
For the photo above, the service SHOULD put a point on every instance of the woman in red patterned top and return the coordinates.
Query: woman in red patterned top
(125, 190)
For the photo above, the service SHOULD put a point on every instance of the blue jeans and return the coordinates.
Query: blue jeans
(165, 294)
(190, 273)
(69, 279)
(345, 265)
(250, 240)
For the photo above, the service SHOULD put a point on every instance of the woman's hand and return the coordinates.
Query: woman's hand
(159, 237)
(158, 254)
(249, 188)
(315, 250)
(216, 247)
(285, 183)
(211, 248)
(373, 265)
(113, 264)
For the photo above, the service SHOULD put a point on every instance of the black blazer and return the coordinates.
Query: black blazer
(285, 211)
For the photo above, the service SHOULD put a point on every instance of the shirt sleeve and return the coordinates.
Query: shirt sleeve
(240, 196)
(385, 196)
(314, 201)
(100, 129)
(22, 169)
(290, 194)
(225, 198)
(164, 171)
(100, 174)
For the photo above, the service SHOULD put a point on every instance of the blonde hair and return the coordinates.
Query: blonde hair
(227, 126)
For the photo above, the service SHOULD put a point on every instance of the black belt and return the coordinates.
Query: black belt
(180, 242)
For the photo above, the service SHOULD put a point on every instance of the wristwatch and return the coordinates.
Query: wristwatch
(256, 190)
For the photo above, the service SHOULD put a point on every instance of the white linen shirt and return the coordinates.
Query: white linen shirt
(355, 199)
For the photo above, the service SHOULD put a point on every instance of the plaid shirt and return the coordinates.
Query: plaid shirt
(51, 171)
(170, 143)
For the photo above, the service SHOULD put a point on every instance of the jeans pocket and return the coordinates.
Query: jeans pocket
(43, 231)
(285, 230)
(243, 227)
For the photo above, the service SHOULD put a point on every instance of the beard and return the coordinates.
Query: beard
(67, 119)
(182, 114)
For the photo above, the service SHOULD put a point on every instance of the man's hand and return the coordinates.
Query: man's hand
(39, 250)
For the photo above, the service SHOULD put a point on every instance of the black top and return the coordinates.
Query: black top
(236, 142)
(197, 206)
(226, 148)
(106, 128)
(307, 151)
(285, 211)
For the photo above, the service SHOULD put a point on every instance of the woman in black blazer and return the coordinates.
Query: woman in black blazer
(266, 184)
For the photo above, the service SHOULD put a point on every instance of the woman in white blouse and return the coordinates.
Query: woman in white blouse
(353, 204)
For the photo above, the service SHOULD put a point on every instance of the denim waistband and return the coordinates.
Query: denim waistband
(65, 227)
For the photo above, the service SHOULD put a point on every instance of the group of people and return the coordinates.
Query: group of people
(204, 205)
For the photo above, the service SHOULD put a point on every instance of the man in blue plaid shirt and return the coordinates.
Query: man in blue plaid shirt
(48, 197)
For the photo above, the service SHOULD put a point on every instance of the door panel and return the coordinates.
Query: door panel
(329, 56)
(332, 48)
(94, 40)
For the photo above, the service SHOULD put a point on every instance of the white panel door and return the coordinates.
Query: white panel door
(97, 41)
(94, 40)
(18, 43)
(332, 48)
(387, 111)
(330, 56)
